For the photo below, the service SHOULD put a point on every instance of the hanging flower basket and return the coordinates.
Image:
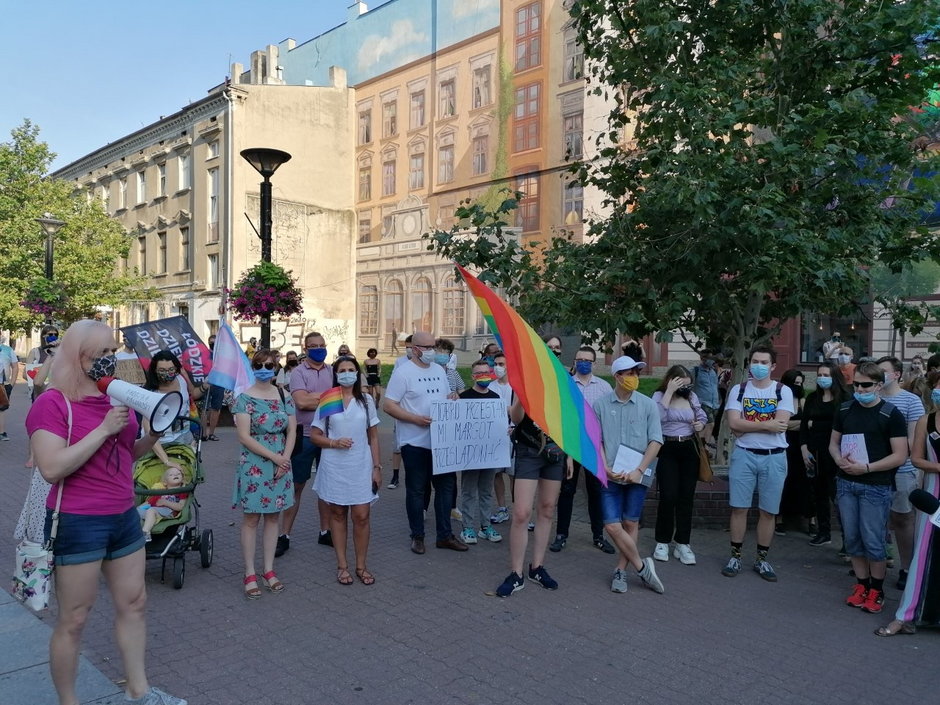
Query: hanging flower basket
(44, 297)
(265, 290)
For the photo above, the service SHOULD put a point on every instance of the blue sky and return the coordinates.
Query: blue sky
(89, 73)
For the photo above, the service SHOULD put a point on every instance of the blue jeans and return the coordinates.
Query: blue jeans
(419, 478)
(864, 512)
(621, 503)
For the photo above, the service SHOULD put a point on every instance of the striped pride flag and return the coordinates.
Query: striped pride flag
(548, 393)
(331, 402)
(230, 366)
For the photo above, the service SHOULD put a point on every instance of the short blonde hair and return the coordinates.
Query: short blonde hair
(82, 338)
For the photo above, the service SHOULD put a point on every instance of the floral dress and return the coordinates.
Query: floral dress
(256, 491)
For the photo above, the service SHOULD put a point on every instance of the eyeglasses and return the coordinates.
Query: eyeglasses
(423, 347)
(864, 385)
(266, 365)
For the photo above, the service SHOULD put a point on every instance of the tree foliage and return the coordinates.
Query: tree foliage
(86, 250)
(754, 166)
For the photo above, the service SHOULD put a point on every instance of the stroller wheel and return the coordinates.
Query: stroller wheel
(205, 548)
(179, 572)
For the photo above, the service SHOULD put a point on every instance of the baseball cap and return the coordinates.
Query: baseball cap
(625, 362)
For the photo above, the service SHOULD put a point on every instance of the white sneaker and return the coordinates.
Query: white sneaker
(662, 552)
(684, 554)
(456, 515)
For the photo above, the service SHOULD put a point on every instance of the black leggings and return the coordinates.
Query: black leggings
(677, 476)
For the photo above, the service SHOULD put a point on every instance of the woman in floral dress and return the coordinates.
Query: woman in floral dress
(264, 417)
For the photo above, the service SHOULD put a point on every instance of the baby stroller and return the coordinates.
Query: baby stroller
(172, 537)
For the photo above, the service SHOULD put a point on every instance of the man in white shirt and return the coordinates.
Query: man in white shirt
(757, 411)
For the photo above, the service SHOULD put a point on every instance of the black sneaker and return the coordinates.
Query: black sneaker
(541, 576)
(780, 530)
(820, 540)
(513, 583)
(326, 538)
(557, 544)
(283, 544)
(604, 545)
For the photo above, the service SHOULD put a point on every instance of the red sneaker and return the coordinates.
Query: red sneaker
(857, 598)
(873, 601)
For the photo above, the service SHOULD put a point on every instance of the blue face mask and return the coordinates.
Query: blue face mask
(316, 354)
(490, 360)
(441, 358)
(865, 397)
(935, 396)
(824, 382)
(264, 375)
(583, 367)
(760, 371)
(346, 379)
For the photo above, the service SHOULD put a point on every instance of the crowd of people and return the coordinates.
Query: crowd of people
(860, 444)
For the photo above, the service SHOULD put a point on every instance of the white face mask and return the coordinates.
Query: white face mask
(500, 371)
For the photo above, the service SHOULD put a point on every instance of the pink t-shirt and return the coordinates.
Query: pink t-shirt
(105, 483)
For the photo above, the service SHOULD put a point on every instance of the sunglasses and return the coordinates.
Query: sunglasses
(864, 385)
(265, 365)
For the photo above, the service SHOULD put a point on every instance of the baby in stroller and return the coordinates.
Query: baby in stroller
(158, 507)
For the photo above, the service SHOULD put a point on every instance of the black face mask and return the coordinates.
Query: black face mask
(684, 392)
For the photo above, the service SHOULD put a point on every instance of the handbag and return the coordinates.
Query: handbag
(4, 398)
(705, 472)
(35, 562)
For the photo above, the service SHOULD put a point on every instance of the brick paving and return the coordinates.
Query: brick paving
(428, 633)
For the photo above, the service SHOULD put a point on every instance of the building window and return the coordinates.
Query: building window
(184, 249)
(528, 36)
(142, 253)
(161, 179)
(388, 176)
(448, 99)
(482, 93)
(390, 118)
(527, 214)
(141, 187)
(445, 165)
(212, 149)
(161, 252)
(365, 126)
(574, 58)
(213, 189)
(421, 311)
(454, 306)
(365, 227)
(122, 194)
(574, 136)
(481, 148)
(212, 272)
(572, 202)
(186, 177)
(388, 221)
(365, 183)
(394, 309)
(416, 171)
(526, 118)
(369, 310)
(417, 109)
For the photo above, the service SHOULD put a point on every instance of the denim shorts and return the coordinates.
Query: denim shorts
(864, 513)
(216, 397)
(621, 503)
(532, 465)
(86, 538)
(303, 457)
(748, 471)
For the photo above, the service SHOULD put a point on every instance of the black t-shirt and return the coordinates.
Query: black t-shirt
(879, 424)
(471, 393)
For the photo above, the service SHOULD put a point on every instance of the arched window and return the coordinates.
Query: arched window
(421, 305)
(394, 310)
(453, 312)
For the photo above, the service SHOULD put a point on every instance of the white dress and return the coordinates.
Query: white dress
(345, 476)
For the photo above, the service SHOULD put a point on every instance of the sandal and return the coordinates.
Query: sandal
(255, 592)
(343, 577)
(365, 577)
(271, 582)
(213, 437)
(896, 627)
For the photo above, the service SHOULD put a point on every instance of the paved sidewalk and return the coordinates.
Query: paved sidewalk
(427, 632)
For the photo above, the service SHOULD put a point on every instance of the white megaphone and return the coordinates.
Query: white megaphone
(161, 410)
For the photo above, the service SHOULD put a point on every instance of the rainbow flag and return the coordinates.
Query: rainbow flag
(230, 366)
(331, 402)
(548, 393)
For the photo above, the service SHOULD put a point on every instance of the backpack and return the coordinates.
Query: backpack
(884, 414)
(743, 386)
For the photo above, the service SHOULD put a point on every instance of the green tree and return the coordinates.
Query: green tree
(86, 249)
(753, 167)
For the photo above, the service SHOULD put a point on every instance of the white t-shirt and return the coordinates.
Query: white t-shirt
(760, 405)
(911, 406)
(414, 388)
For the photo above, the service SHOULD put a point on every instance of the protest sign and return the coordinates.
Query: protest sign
(469, 434)
(175, 335)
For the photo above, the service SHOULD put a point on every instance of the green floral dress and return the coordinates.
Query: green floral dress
(256, 490)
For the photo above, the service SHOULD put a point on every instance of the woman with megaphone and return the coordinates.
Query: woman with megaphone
(86, 449)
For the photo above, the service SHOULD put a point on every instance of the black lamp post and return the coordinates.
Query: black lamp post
(266, 162)
(50, 226)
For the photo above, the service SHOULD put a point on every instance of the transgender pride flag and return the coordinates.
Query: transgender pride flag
(230, 366)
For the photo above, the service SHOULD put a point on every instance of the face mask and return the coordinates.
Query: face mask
(709, 363)
(441, 358)
(935, 396)
(316, 354)
(556, 353)
(865, 397)
(583, 367)
(760, 371)
(489, 360)
(889, 379)
(499, 371)
(684, 392)
(844, 359)
(824, 382)
(166, 375)
(346, 379)
(630, 382)
(102, 367)
(408, 353)
(264, 375)
(484, 380)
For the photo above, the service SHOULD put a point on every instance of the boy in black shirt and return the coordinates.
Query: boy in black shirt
(869, 442)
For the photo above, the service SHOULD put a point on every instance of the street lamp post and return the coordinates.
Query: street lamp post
(50, 226)
(266, 162)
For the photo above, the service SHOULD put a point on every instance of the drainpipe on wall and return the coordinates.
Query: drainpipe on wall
(227, 188)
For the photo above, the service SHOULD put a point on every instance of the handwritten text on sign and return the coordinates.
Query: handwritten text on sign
(469, 434)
